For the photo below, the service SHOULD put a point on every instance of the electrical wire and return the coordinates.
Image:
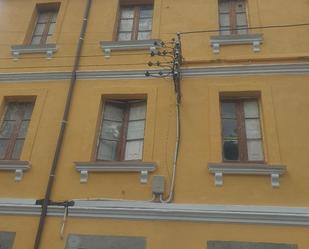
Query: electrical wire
(246, 28)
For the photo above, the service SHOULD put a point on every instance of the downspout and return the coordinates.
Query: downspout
(53, 169)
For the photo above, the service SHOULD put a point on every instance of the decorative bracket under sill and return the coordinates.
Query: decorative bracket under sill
(85, 167)
(49, 49)
(18, 166)
(109, 46)
(222, 40)
(219, 169)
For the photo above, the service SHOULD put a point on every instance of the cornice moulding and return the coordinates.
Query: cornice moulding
(129, 210)
(257, 69)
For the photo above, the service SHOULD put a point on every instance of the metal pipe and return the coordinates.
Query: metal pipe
(62, 129)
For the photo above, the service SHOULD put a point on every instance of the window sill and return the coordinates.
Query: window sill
(222, 40)
(49, 49)
(14, 165)
(143, 168)
(219, 169)
(109, 46)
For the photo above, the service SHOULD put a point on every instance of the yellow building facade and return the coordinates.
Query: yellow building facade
(96, 152)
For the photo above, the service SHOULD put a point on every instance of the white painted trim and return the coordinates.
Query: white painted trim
(220, 169)
(142, 167)
(17, 166)
(49, 49)
(131, 210)
(256, 69)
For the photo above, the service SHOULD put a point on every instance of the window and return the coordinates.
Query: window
(6, 240)
(232, 17)
(45, 23)
(13, 129)
(121, 135)
(241, 130)
(135, 22)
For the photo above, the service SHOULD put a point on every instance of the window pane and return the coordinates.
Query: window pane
(225, 31)
(251, 109)
(127, 13)
(7, 129)
(228, 110)
(51, 28)
(230, 150)
(241, 19)
(137, 111)
(224, 19)
(43, 17)
(224, 6)
(144, 35)
(17, 149)
(145, 24)
(136, 130)
(134, 150)
(39, 29)
(36, 40)
(107, 150)
(146, 11)
(255, 150)
(23, 129)
(111, 130)
(242, 30)
(240, 6)
(54, 16)
(253, 129)
(113, 111)
(12, 112)
(124, 36)
(3, 147)
(229, 128)
(126, 25)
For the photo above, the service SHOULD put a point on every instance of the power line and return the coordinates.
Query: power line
(246, 28)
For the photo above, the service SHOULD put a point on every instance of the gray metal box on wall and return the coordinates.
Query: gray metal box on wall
(6, 240)
(158, 184)
(247, 245)
(76, 241)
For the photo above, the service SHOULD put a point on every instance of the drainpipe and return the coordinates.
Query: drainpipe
(53, 169)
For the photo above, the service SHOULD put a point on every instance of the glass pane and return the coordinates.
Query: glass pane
(225, 31)
(124, 36)
(240, 6)
(43, 17)
(113, 112)
(144, 35)
(36, 40)
(230, 150)
(7, 129)
(134, 150)
(127, 13)
(224, 6)
(111, 130)
(242, 30)
(228, 110)
(17, 149)
(241, 19)
(253, 129)
(146, 11)
(39, 29)
(145, 24)
(23, 129)
(49, 39)
(137, 111)
(251, 109)
(136, 130)
(107, 150)
(54, 16)
(229, 128)
(126, 25)
(3, 147)
(255, 150)
(51, 28)
(28, 110)
(224, 19)
(12, 112)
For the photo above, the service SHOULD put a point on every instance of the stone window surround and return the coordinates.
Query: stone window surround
(19, 167)
(49, 49)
